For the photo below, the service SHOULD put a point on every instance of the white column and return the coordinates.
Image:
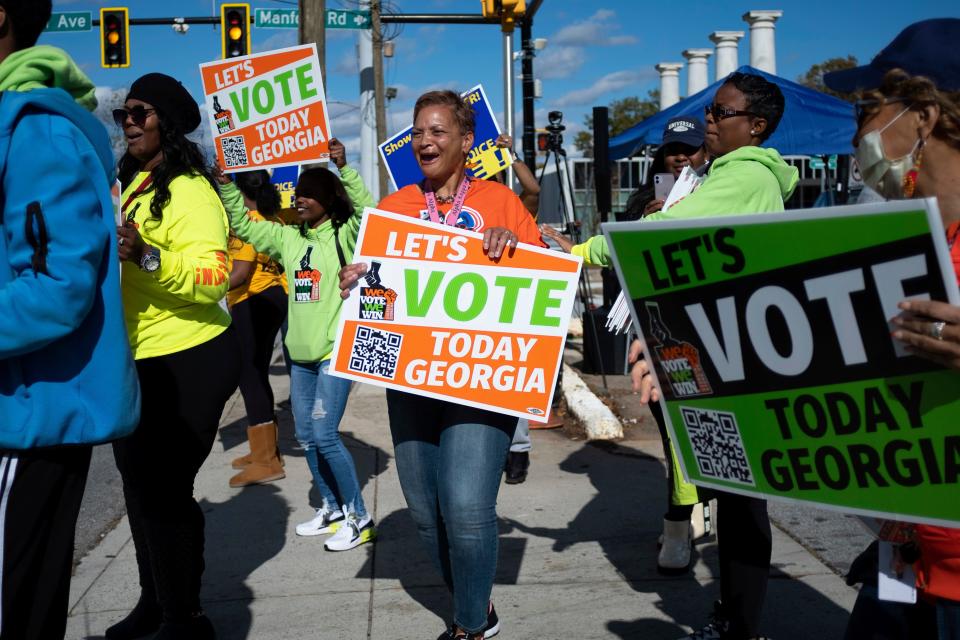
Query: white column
(728, 59)
(669, 83)
(368, 114)
(697, 76)
(763, 48)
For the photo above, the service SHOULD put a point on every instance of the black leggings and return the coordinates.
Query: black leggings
(182, 397)
(744, 542)
(257, 321)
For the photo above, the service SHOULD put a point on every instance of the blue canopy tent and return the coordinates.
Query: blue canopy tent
(813, 123)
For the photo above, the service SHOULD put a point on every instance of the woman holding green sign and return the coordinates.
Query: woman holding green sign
(743, 178)
(908, 146)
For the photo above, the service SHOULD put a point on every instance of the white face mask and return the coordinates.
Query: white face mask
(880, 173)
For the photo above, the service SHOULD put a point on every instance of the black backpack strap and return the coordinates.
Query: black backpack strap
(336, 240)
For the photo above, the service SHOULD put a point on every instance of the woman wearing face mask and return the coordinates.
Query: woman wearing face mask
(330, 211)
(908, 146)
(174, 244)
(450, 456)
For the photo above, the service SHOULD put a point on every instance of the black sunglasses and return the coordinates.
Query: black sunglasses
(138, 114)
(722, 113)
(870, 106)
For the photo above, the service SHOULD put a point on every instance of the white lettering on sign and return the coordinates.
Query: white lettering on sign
(836, 289)
(234, 74)
(423, 245)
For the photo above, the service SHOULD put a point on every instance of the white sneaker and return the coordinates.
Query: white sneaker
(325, 521)
(352, 533)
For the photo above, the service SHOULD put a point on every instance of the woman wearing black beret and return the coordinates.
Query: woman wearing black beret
(173, 239)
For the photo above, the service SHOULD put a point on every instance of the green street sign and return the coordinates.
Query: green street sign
(276, 18)
(70, 21)
(348, 19)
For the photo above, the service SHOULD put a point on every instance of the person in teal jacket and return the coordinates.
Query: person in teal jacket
(330, 210)
(67, 379)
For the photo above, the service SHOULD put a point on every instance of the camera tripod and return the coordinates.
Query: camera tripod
(571, 227)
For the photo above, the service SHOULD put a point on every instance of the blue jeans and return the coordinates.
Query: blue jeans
(318, 401)
(450, 458)
(521, 437)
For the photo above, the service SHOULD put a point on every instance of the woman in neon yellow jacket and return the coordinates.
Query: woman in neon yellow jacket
(330, 211)
(173, 242)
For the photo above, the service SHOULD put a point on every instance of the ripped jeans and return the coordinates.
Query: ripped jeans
(318, 401)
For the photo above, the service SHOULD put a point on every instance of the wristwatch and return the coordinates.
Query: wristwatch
(150, 261)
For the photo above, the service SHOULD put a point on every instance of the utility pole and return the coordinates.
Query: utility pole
(377, 32)
(529, 128)
(368, 118)
(313, 28)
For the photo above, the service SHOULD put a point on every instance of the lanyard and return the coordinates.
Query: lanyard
(143, 186)
(451, 216)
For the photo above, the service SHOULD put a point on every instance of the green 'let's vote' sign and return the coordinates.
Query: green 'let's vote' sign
(770, 338)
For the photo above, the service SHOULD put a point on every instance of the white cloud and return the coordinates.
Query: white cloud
(346, 65)
(594, 31)
(607, 84)
(559, 62)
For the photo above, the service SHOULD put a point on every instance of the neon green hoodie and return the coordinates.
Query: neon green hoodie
(46, 66)
(748, 180)
(310, 263)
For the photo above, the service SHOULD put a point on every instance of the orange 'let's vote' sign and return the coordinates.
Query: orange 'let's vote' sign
(435, 316)
(267, 109)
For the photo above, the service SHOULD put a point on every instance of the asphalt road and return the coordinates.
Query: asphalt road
(102, 505)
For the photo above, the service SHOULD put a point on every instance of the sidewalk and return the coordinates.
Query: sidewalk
(577, 552)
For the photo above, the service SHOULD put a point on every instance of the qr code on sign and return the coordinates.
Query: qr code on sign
(717, 445)
(375, 352)
(234, 152)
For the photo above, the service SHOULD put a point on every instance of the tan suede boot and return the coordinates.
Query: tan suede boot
(244, 460)
(266, 464)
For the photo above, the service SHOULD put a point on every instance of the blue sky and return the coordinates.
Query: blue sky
(597, 51)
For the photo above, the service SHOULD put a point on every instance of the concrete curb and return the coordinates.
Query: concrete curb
(598, 420)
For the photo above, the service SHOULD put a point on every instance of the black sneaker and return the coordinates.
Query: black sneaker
(517, 464)
(715, 629)
(492, 628)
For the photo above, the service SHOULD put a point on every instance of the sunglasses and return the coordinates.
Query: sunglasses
(137, 114)
(722, 113)
(870, 106)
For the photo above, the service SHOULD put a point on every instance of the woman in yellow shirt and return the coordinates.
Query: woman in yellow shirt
(258, 305)
(173, 242)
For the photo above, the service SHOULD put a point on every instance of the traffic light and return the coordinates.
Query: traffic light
(114, 37)
(507, 10)
(491, 8)
(235, 24)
